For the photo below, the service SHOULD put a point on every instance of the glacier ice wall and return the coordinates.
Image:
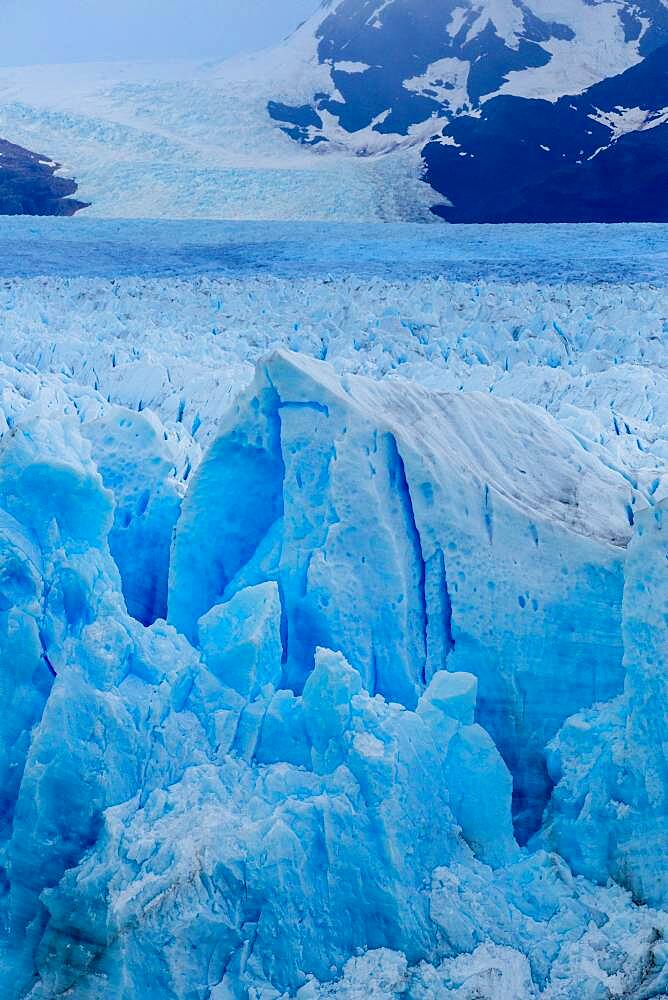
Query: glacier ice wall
(609, 764)
(384, 602)
(128, 730)
(417, 532)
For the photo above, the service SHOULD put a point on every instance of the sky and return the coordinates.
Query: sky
(54, 31)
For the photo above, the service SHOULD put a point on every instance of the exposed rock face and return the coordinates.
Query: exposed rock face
(30, 185)
(601, 156)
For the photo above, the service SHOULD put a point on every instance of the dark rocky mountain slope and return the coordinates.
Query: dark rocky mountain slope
(30, 185)
(520, 115)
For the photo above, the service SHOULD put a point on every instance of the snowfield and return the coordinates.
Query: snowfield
(333, 607)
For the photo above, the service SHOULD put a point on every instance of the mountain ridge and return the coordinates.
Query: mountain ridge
(481, 83)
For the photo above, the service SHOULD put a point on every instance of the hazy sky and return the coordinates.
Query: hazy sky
(34, 31)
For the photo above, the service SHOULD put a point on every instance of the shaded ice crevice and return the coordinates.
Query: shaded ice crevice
(399, 485)
(434, 604)
(440, 627)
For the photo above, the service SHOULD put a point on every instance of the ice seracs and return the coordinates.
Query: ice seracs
(415, 532)
(406, 614)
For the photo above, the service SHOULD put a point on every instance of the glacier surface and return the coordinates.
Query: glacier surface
(332, 632)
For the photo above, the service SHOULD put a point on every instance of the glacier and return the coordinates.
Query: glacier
(332, 632)
(403, 533)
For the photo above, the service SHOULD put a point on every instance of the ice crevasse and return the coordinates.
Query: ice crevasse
(375, 707)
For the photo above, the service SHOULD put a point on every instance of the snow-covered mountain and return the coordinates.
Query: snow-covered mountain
(481, 110)
(534, 111)
(601, 155)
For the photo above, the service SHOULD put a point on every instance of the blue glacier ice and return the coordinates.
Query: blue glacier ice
(609, 764)
(416, 533)
(137, 464)
(320, 682)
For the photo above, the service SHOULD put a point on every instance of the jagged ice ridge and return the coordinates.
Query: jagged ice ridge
(332, 639)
